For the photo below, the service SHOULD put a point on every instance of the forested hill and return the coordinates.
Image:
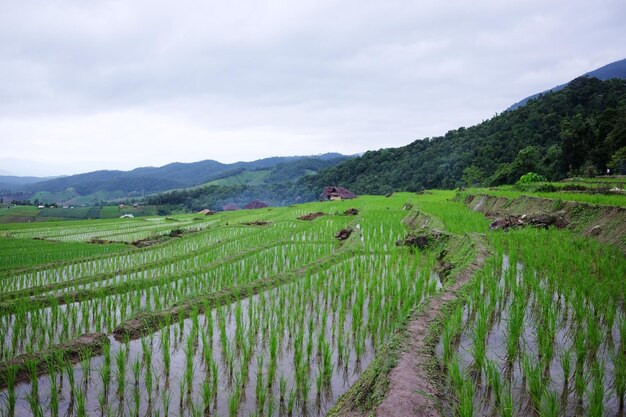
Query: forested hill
(615, 69)
(576, 130)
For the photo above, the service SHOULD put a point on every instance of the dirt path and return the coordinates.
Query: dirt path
(411, 392)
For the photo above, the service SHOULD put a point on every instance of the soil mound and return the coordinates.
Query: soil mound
(343, 234)
(311, 216)
(257, 223)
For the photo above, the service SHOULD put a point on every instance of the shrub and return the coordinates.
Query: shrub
(531, 177)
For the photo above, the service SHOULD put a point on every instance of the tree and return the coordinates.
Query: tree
(618, 161)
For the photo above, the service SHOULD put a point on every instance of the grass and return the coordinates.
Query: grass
(618, 200)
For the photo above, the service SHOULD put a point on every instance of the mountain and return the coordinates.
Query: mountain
(614, 70)
(106, 184)
(14, 182)
(580, 129)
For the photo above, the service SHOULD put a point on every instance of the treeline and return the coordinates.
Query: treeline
(580, 130)
(215, 197)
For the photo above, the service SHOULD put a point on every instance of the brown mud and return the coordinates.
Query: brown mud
(311, 216)
(73, 351)
(607, 224)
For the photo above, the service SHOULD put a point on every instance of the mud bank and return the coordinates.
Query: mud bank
(604, 223)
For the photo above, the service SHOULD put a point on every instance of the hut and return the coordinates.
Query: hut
(256, 204)
(230, 207)
(206, 212)
(336, 193)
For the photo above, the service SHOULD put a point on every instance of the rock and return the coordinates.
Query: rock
(595, 230)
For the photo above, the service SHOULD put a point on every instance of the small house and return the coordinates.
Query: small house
(336, 193)
(256, 204)
(231, 207)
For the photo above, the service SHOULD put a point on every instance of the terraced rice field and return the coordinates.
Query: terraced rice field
(225, 318)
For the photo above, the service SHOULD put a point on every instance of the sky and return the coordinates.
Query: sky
(90, 85)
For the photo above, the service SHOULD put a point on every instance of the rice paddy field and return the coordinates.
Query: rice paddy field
(242, 313)
(259, 313)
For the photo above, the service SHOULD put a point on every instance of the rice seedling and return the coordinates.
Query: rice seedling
(550, 404)
(596, 394)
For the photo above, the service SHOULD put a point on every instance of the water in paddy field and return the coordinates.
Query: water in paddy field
(571, 403)
(333, 321)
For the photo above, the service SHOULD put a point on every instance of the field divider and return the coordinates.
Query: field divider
(37, 302)
(32, 291)
(399, 379)
(147, 323)
(20, 368)
(8, 273)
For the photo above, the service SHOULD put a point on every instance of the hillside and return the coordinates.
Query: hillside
(580, 129)
(102, 185)
(613, 70)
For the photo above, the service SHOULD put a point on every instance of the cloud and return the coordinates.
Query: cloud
(243, 80)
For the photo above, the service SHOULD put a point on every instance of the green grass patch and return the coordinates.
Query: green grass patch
(26, 253)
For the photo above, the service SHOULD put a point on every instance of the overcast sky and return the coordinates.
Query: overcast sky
(88, 85)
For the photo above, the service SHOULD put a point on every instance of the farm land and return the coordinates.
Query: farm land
(260, 313)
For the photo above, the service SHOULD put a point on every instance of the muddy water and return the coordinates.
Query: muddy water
(571, 404)
(272, 309)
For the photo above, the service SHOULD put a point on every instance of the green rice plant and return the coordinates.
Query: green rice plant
(233, 401)
(479, 335)
(34, 404)
(120, 375)
(291, 402)
(136, 400)
(506, 401)
(54, 391)
(270, 407)
(515, 326)
(550, 404)
(594, 334)
(31, 366)
(580, 384)
(69, 372)
(11, 376)
(465, 406)
(327, 365)
(455, 374)
(596, 394)
(136, 370)
(206, 396)
(167, 399)
(81, 403)
(494, 380)
(534, 380)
